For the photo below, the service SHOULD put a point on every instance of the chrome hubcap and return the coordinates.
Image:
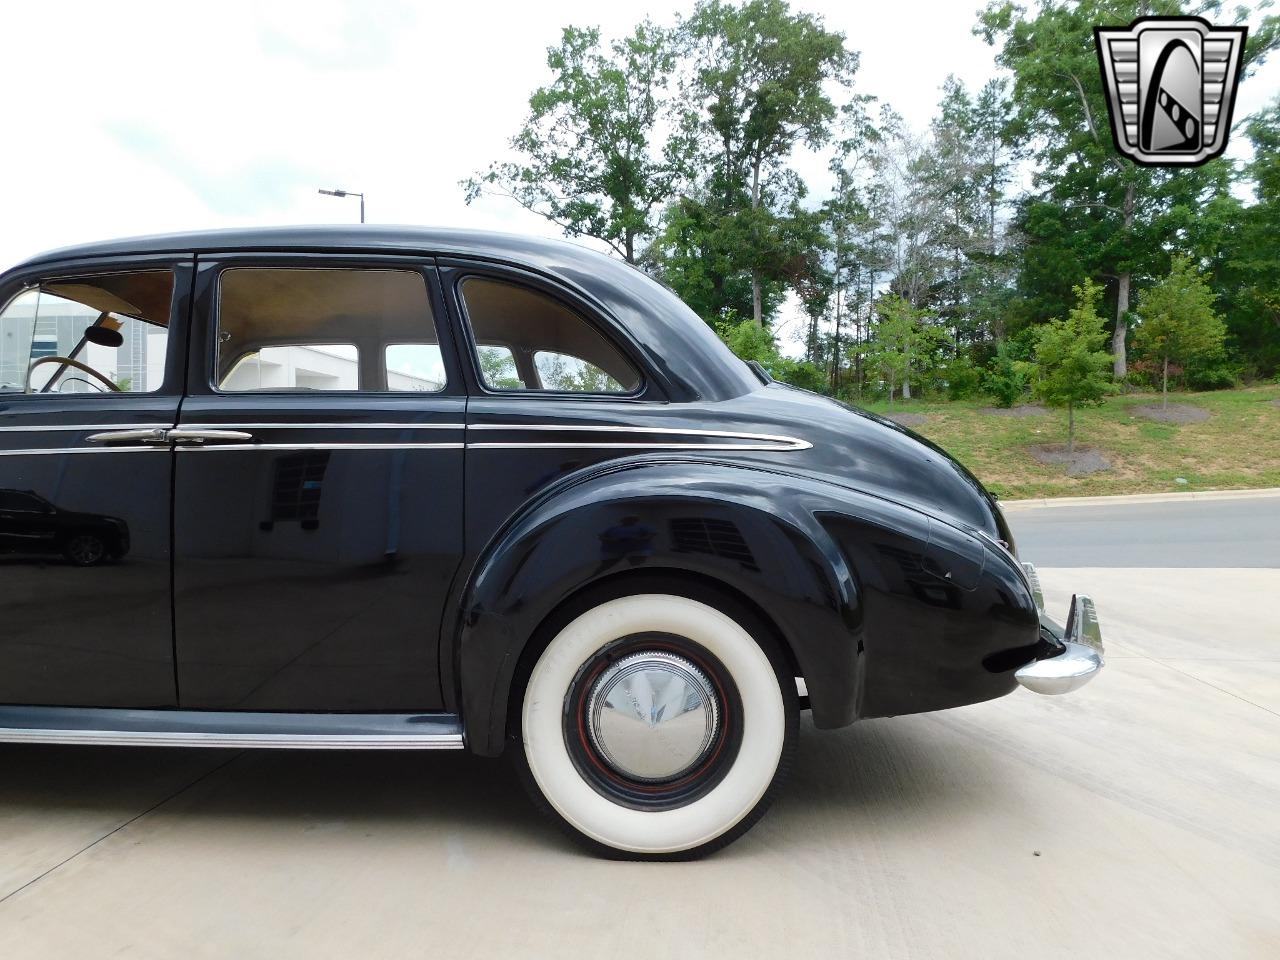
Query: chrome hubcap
(652, 716)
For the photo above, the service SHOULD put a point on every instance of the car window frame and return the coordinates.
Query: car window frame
(182, 266)
(203, 369)
(456, 271)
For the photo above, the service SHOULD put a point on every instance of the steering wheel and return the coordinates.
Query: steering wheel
(83, 367)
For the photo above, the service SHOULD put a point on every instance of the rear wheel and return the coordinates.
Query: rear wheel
(85, 549)
(656, 726)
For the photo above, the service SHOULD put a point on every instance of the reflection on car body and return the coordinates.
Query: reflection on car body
(30, 524)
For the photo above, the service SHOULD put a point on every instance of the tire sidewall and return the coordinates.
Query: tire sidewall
(713, 818)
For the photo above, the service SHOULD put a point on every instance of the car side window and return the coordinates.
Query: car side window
(15, 501)
(347, 329)
(526, 340)
(104, 333)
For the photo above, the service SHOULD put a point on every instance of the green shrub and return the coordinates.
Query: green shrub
(798, 373)
(1215, 371)
(1006, 379)
(963, 377)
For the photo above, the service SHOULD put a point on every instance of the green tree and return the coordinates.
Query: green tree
(849, 277)
(1177, 321)
(761, 81)
(1070, 362)
(902, 343)
(750, 342)
(1247, 272)
(1090, 207)
(603, 146)
(498, 368)
(704, 255)
(1006, 378)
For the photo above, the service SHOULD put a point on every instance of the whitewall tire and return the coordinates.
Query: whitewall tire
(656, 726)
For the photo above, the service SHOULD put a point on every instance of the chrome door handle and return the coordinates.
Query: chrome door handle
(148, 435)
(180, 435)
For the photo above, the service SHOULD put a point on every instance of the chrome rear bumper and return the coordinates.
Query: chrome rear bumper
(1082, 656)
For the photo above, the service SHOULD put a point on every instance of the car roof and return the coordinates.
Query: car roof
(672, 337)
(313, 237)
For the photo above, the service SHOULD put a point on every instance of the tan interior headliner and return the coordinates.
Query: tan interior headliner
(276, 306)
(503, 313)
(145, 294)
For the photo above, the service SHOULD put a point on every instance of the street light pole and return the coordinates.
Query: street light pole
(346, 193)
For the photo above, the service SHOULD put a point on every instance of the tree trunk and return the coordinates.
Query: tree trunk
(835, 351)
(1071, 429)
(1119, 361)
(757, 309)
(906, 382)
(1119, 365)
(1164, 386)
(857, 340)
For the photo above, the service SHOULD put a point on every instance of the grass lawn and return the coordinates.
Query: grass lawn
(1237, 446)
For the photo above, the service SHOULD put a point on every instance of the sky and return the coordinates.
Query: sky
(130, 118)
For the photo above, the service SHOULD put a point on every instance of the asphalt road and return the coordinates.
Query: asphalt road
(1135, 819)
(1192, 533)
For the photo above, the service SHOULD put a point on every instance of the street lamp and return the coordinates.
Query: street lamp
(347, 193)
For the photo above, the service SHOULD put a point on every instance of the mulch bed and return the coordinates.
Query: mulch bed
(1174, 413)
(1024, 410)
(1082, 461)
(907, 419)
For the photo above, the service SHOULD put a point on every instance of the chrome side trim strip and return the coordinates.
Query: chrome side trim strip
(751, 441)
(756, 441)
(773, 447)
(44, 451)
(320, 446)
(323, 426)
(41, 428)
(230, 728)
(272, 741)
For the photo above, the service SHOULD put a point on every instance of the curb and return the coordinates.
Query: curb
(1140, 498)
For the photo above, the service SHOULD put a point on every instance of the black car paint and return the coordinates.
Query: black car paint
(100, 636)
(870, 551)
(339, 610)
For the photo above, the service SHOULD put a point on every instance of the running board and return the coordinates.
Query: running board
(201, 728)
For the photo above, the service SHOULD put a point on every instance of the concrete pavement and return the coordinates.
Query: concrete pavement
(1151, 798)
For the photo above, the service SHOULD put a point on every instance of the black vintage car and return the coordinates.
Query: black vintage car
(397, 488)
(30, 524)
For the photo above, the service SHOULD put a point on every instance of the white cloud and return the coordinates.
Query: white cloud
(146, 117)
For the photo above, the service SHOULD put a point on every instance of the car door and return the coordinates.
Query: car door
(85, 479)
(318, 486)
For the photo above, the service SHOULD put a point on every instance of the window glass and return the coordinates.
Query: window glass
(116, 325)
(311, 366)
(414, 367)
(558, 371)
(498, 367)
(526, 340)
(326, 329)
(15, 501)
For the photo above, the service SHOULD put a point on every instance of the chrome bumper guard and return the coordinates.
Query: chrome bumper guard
(1081, 659)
